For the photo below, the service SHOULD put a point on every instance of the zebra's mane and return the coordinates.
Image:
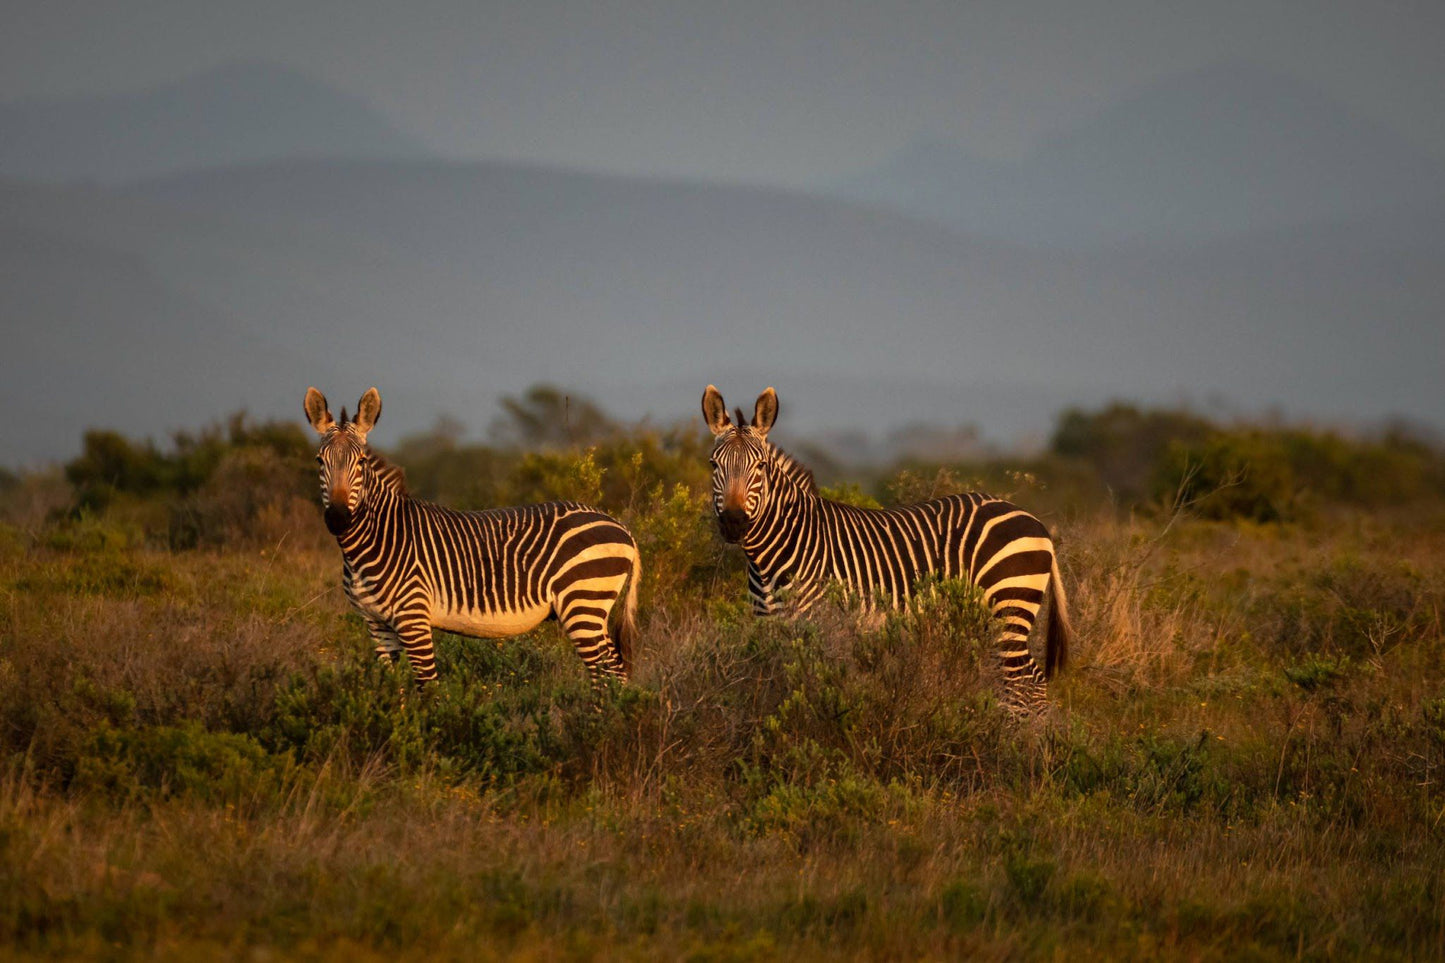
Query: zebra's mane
(392, 476)
(791, 468)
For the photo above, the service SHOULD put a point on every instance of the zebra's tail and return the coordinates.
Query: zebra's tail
(1061, 632)
(627, 624)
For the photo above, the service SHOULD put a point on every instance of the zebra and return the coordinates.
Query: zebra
(411, 566)
(796, 540)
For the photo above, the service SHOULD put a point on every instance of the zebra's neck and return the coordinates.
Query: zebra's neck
(790, 507)
(374, 517)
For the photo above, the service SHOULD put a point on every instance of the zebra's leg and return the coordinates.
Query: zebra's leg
(1025, 691)
(1017, 605)
(584, 614)
(415, 635)
(759, 593)
(388, 643)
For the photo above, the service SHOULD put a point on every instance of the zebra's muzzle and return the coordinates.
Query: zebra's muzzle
(338, 519)
(733, 523)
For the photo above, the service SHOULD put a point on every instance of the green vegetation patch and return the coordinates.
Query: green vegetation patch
(214, 768)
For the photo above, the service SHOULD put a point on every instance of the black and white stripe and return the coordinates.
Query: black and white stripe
(798, 543)
(411, 566)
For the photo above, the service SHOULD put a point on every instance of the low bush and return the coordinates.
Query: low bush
(214, 768)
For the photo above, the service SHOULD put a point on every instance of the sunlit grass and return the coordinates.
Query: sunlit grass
(1245, 759)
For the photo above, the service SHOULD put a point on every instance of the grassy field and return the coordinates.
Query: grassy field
(1245, 759)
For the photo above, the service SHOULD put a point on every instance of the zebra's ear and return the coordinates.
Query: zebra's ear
(318, 412)
(368, 410)
(765, 412)
(715, 411)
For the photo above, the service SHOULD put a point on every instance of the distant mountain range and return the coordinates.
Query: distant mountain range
(167, 301)
(240, 114)
(1225, 150)
(162, 304)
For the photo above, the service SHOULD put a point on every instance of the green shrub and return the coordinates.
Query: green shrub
(254, 496)
(828, 809)
(845, 708)
(211, 486)
(1157, 774)
(499, 713)
(849, 493)
(1316, 674)
(1174, 458)
(217, 768)
(1124, 444)
(1235, 475)
(1028, 877)
(546, 476)
(1346, 607)
(963, 904)
(549, 417)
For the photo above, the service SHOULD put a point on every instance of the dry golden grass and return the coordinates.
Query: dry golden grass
(1245, 761)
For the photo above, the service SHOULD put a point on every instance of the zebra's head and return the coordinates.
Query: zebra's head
(739, 461)
(343, 456)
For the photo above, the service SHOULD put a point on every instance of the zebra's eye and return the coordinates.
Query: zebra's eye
(320, 460)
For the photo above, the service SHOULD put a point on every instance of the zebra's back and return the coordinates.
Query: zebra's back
(494, 564)
(971, 536)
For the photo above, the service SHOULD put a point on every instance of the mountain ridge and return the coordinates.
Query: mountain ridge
(449, 291)
(235, 113)
(1226, 149)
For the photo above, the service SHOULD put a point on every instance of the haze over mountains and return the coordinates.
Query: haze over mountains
(1225, 150)
(186, 282)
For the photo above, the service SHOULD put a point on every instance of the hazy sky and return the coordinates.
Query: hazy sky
(793, 93)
